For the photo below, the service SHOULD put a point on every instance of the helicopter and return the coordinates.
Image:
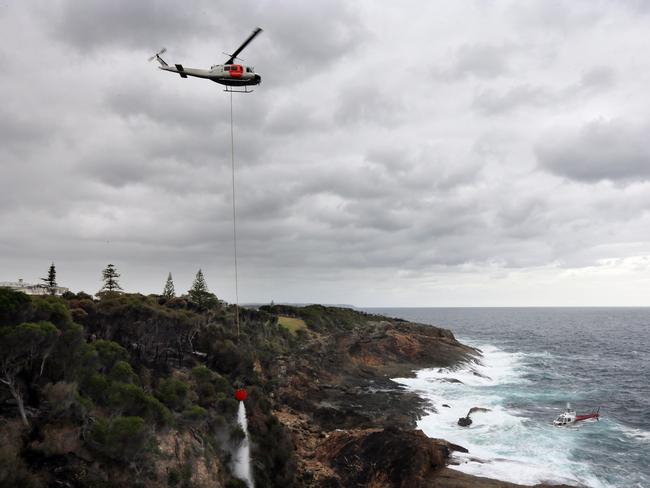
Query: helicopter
(229, 74)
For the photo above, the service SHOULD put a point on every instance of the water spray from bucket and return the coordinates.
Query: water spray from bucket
(242, 458)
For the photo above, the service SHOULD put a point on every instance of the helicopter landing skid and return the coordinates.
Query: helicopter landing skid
(245, 90)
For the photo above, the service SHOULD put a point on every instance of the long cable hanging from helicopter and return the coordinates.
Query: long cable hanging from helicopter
(234, 216)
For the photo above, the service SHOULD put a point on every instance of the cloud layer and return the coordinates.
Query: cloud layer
(442, 158)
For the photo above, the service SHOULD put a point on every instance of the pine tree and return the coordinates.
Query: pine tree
(199, 293)
(50, 281)
(168, 292)
(110, 276)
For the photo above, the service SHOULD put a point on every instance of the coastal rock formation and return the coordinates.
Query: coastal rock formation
(351, 425)
(467, 421)
(388, 457)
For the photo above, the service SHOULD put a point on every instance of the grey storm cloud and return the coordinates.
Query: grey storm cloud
(482, 60)
(592, 82)
(92, 24)
(600, 150)
(380, 144)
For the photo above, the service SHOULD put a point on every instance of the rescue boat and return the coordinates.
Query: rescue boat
(569, 416)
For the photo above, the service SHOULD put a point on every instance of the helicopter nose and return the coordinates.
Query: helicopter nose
(258, 79)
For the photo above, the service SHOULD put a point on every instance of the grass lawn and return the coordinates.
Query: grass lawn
(292, 324)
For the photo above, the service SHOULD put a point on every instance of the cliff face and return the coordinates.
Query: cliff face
(351, 425)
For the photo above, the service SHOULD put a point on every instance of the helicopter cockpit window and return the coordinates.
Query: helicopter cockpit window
(226, 68)
(249, 69)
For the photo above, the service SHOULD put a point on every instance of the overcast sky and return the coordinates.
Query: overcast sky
(457, 153)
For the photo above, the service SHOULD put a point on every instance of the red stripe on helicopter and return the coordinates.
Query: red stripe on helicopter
(587, 416)
(236, 71)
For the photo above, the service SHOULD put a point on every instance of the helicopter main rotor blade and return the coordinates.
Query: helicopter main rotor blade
(231, 60)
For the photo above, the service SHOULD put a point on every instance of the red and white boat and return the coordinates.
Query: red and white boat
(569, 416)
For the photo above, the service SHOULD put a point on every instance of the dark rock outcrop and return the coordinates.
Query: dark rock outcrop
(465, 421)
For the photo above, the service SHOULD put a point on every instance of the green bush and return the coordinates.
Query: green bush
(207, 395)
(53, 309)
(12, 306)
(227, 405)
(95, 385)
(201, 374)
(109, 353)
(122, 439)
(122, 372)
(195, 413)
(172, 393)
(132, 400)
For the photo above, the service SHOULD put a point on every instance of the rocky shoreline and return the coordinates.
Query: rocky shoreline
(351, 425)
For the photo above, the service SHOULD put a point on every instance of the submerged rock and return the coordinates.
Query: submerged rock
(465, 421)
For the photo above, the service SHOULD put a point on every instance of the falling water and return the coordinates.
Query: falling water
(242, 466)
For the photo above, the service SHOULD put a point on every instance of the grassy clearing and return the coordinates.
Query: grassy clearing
(292, 324)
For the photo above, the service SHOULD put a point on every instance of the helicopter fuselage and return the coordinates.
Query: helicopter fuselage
(224, 74)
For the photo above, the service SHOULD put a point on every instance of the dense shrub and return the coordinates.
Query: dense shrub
(13, 306)
(108, 353)
(95, 386)
(132, 400)
(195, 414)
(122, 372)
(122, 439)
(172, 393)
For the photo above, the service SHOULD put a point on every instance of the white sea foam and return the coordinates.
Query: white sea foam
(638, 434)
(502, 443)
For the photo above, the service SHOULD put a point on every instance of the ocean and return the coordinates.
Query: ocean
(535, 360)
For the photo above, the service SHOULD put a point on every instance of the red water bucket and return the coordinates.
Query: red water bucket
(241, 395)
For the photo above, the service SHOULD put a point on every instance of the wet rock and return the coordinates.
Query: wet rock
(465, 421)
(391, 457)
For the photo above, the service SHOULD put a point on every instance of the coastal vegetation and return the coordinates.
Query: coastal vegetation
(133, 390)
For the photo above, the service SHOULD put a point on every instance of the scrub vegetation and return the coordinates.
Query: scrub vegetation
(134, 390)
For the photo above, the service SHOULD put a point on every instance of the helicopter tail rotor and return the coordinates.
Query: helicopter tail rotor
(157, 55)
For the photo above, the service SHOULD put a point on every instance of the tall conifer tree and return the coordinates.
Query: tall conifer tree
(199, 293)
(110, 276)
(50, 281)
(169, 292)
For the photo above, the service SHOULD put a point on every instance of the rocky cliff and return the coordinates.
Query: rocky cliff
(351, 425)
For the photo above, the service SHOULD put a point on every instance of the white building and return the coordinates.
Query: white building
(31, 289)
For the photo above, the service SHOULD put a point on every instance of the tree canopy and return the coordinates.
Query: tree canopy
(110, 276)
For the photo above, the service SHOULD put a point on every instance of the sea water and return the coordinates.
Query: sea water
(534, 361)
